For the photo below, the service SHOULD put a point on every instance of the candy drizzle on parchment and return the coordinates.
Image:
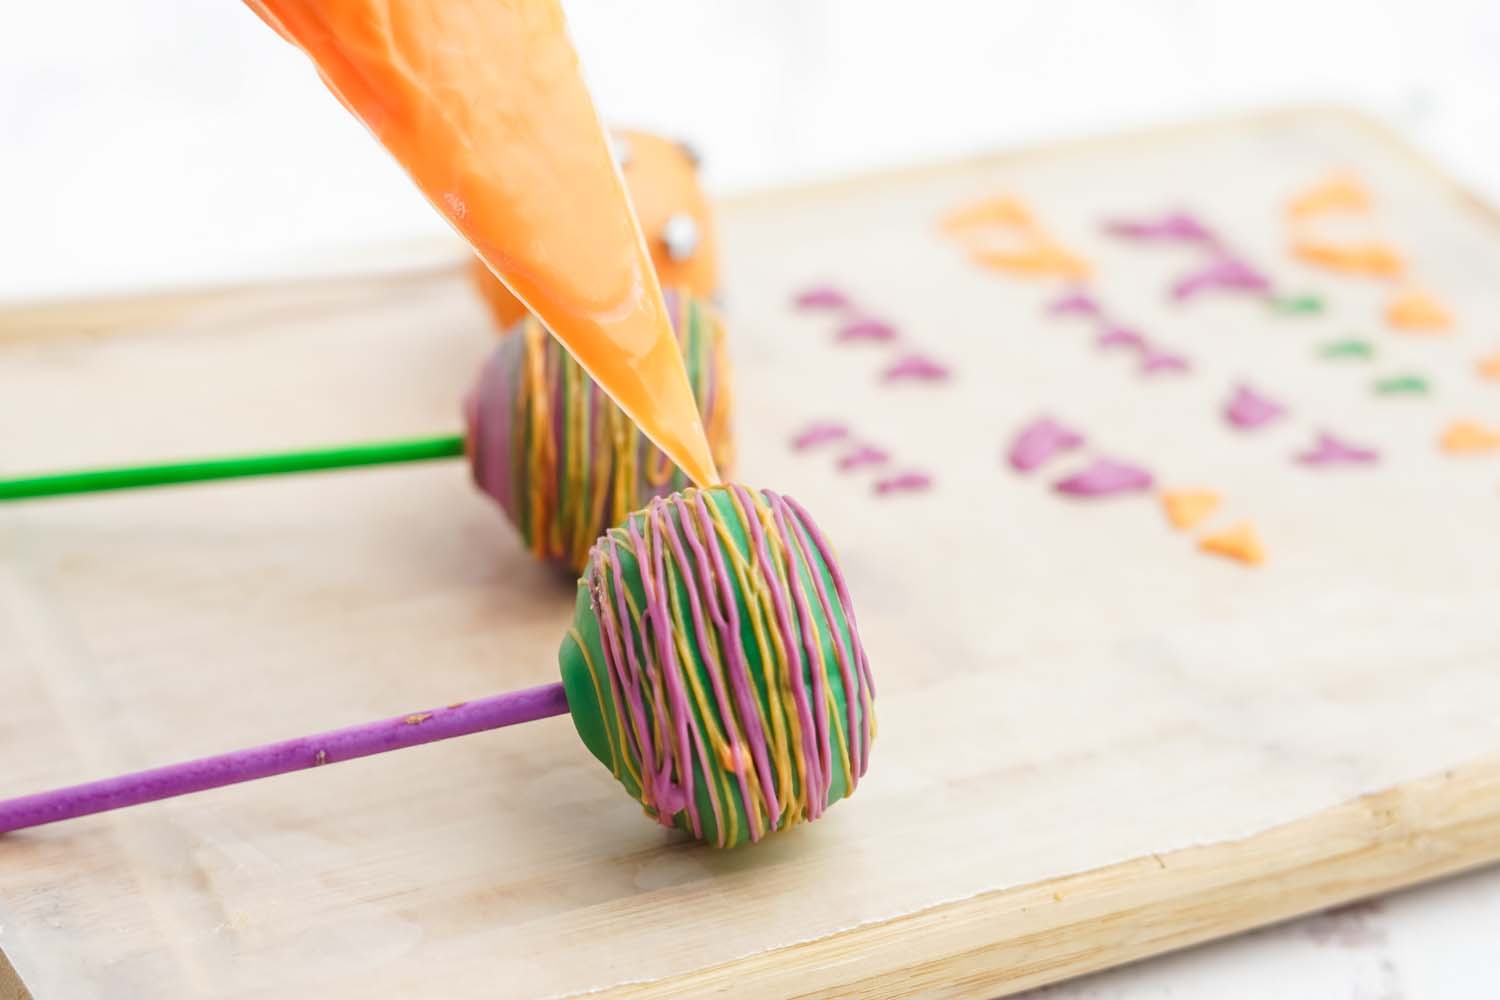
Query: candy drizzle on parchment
(735, 662)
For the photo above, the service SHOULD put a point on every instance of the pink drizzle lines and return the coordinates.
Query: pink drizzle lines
(661, 729)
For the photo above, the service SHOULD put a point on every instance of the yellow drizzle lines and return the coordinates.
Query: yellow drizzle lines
(604, 608)
(539, 463)
(785, 726)
(601, 468)
(718, 742)
(716, 728)
(612, 733)
(581, 460)
(804, 568)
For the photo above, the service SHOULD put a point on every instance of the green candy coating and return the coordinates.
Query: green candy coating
(596, 679)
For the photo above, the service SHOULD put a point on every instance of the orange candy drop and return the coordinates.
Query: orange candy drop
(1374, 258)
(1339, 193)
(1417, 311)
(1186, 508)
(1239, 543)
(1467, 437)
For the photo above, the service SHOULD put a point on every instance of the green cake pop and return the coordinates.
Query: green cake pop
(713, 665)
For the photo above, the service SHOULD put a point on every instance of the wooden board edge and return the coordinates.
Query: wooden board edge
(11, 987)
(1003, 942)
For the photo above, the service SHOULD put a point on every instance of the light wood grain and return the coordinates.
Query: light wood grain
(1004, 942)
(1096, 743)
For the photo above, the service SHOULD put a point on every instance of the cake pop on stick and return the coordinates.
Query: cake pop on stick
(713, 665)
(542, 440)
(661, 178)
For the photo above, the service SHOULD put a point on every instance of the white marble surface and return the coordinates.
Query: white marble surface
(171, 143)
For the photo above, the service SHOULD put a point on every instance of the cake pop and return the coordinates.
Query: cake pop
(714, 665)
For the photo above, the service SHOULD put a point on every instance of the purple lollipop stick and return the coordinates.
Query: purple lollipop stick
(282, 758)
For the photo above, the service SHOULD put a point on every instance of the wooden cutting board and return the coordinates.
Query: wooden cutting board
(1096, 742)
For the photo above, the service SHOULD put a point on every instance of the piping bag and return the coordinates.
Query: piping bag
(483, 103)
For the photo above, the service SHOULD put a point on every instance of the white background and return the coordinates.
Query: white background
(150, 144)
(172, 142)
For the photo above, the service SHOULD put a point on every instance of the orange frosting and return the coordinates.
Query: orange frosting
(1239, 543)
(1001, 211)
(1467, 437)
(661, 177)
(1003, 234)
(482, 102)
(1186, 508)
(1045, 258)
(1419, 312)
(1337, 193)
(1489, 366)
(1373, 258)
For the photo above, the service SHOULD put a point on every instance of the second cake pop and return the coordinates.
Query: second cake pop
(559, 457)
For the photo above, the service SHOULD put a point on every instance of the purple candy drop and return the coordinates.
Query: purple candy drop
(905, 482)
(1225, 274)
(867, 329)
(1330, 450)
(821, 297)
(816, 434)
(1039, 441)
(1105, 477)
(862, 456)
(917, 367)
(1248, 409)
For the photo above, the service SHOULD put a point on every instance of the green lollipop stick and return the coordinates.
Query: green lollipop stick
(233, 467)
